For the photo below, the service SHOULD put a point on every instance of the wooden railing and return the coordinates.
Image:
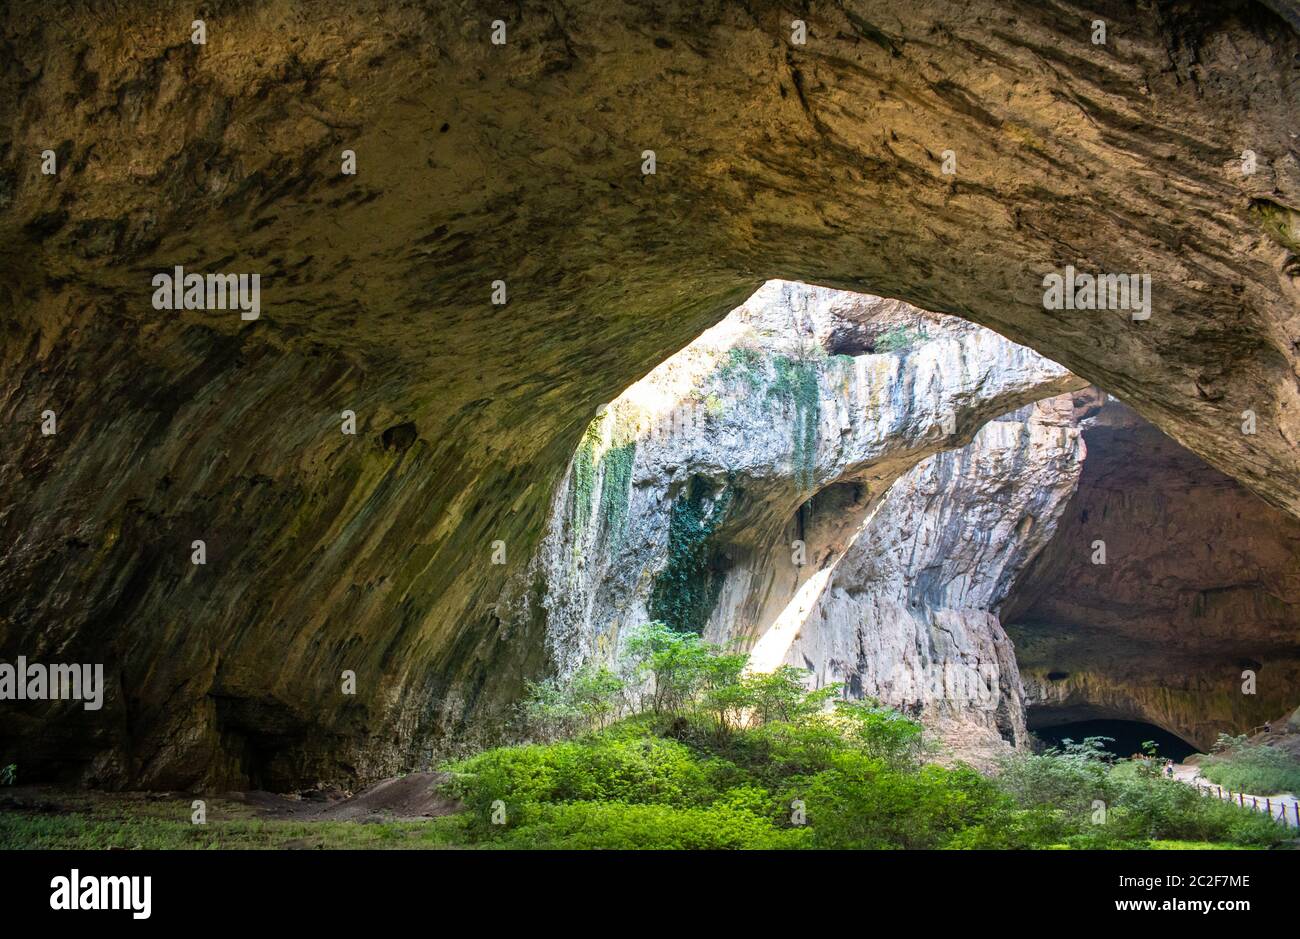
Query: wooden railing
(1278, 811)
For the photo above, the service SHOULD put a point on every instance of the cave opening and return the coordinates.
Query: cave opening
(1126, 737)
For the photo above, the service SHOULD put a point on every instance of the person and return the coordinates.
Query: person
(1169, 768)
(1268, 727)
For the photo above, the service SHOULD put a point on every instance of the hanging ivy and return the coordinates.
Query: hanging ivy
(796, 382)
(687, 589)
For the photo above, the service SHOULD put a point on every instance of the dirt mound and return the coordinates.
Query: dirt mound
(402, 798)
(413, 796)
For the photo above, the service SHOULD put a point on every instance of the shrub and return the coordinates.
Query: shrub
(624, 826)
(862, 803)
(1139, 806)
(600, 768)
(554, 709)
(1240, 766)
(1070, 778)
(719, 758)
(674, 662)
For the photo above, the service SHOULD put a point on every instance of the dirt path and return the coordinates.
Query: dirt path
(1274, 804)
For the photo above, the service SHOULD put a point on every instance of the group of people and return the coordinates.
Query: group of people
(1167, 769)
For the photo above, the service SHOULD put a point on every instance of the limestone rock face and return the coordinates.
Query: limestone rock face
(1200, 589)
(821, 162)
(807, 547)
(909, 614)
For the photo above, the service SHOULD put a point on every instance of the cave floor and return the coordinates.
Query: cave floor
(403, 812)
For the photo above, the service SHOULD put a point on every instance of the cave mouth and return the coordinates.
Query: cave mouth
(1127, 737)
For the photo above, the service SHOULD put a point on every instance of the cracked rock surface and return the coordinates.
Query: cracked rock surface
(371, 553)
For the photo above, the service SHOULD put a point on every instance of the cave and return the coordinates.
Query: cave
(1195, 593)
(1127, 737)
(515, 174)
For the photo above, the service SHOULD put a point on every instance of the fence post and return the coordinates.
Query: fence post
(1268, 807)
(1241, 799)
(1296, 805)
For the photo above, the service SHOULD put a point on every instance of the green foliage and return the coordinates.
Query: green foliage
(686, 589)
(9, 775)
(615, 488)
(1281, 223)
(861, 803)
(597, 768)
(848, 778)
(899, 339)
(584, 474)
(610, 470)
(553, 710)
(744, 363)
(620, 826)
(1240, 766)
(796, 382)
(672, 674)
(675, 662)
(1137, 804)
(1068, 778)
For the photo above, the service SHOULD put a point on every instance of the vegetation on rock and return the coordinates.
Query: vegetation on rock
(686, 590)
(797, 382)
(900, 339)
(605, 469)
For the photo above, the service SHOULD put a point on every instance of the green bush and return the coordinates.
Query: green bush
(715, 757)
(606, 768)
(1070, 778)
(1097, 806)
(1240, 766)
(624, 826)
(554, 709)
(861, 803)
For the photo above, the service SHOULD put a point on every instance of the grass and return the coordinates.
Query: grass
(1255, 769)
(87, 819)
(79, 831)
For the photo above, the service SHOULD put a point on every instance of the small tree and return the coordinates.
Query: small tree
(674, 662)
(554, 709)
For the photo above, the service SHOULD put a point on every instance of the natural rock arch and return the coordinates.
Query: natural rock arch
(522, 162)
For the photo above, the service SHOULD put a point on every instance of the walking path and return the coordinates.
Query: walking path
(1281, 806)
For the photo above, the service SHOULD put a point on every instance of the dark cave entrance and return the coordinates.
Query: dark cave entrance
(1128, 737)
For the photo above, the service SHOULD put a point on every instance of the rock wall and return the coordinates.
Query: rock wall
(822, 531)
(910, 612)
(1199, 586)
